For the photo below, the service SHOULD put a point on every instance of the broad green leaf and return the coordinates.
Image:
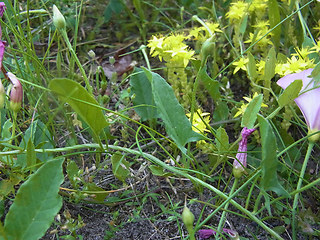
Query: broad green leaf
(120, 166)
(274, 19)
(36, 203)
(290, 93)
(31, 155)
(252, 69)
(211, 85)
(222, 140)
(177, 125)
(269, 161)
(250, 114)
(7, 185)
(81, 101)
(141, 88)
(244, 24)
(159, 171)
(6, 130)
(270, 67)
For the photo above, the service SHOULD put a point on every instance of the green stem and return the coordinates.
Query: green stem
(224, 213)
(170, 168)
(74, 55)
(296, 197)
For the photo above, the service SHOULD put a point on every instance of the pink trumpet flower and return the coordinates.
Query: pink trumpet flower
(241, 158)
(308, 101)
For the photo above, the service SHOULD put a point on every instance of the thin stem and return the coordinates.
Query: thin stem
(296, 197)
(224, 213)
(74, 55)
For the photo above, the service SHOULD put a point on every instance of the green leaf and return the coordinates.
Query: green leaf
(269, 163)
(315, 74)
(221, 111)
(36, 203)
(120, 166)
(99, 193)
(72, 172)
(252, 69)
(81, 101)
(177, 125)
(40, 137)
(290, 93)
(141, 88)
(270, 67)
(159, 171)
(250, 114)
(114, 7)
(274, 19)
(222, 140)
(31, 155)
(211, 85)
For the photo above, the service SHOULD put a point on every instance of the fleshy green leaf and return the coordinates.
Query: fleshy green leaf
(141, 88)
(211, 85)
(290, 93)
(36, 203)
(250, 114)
(171, 112)
(269, 163)
(120, 166)
(81, 101)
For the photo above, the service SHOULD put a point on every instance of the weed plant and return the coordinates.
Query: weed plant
(221, 96)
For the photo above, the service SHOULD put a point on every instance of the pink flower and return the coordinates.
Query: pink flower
(2, 43)
(309, 100)
(241, 158)
(16, 93)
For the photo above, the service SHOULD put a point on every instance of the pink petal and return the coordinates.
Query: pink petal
(309, 101)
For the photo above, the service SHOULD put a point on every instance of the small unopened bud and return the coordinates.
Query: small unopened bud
(2, 95)
(58, 19)
(187, 217)
(16, 93)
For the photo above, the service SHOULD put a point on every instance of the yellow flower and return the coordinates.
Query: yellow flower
(155, 44)
(237, 11)
(294, 65)
(241, 64)
(303, 52)
(200, 121)
(244, 106)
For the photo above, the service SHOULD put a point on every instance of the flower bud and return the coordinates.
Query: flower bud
(2, 95)
(58, 19)
(16, 93)
(187, 217)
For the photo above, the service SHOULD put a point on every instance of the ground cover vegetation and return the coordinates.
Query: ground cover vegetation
(131, 119)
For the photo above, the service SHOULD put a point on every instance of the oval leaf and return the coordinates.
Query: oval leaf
(269, 161)
(36, 203)
(81, 102)
(171, 112)
(290, 93)
(250, 114)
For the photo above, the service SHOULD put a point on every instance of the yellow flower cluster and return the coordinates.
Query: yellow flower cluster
(171, 48)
